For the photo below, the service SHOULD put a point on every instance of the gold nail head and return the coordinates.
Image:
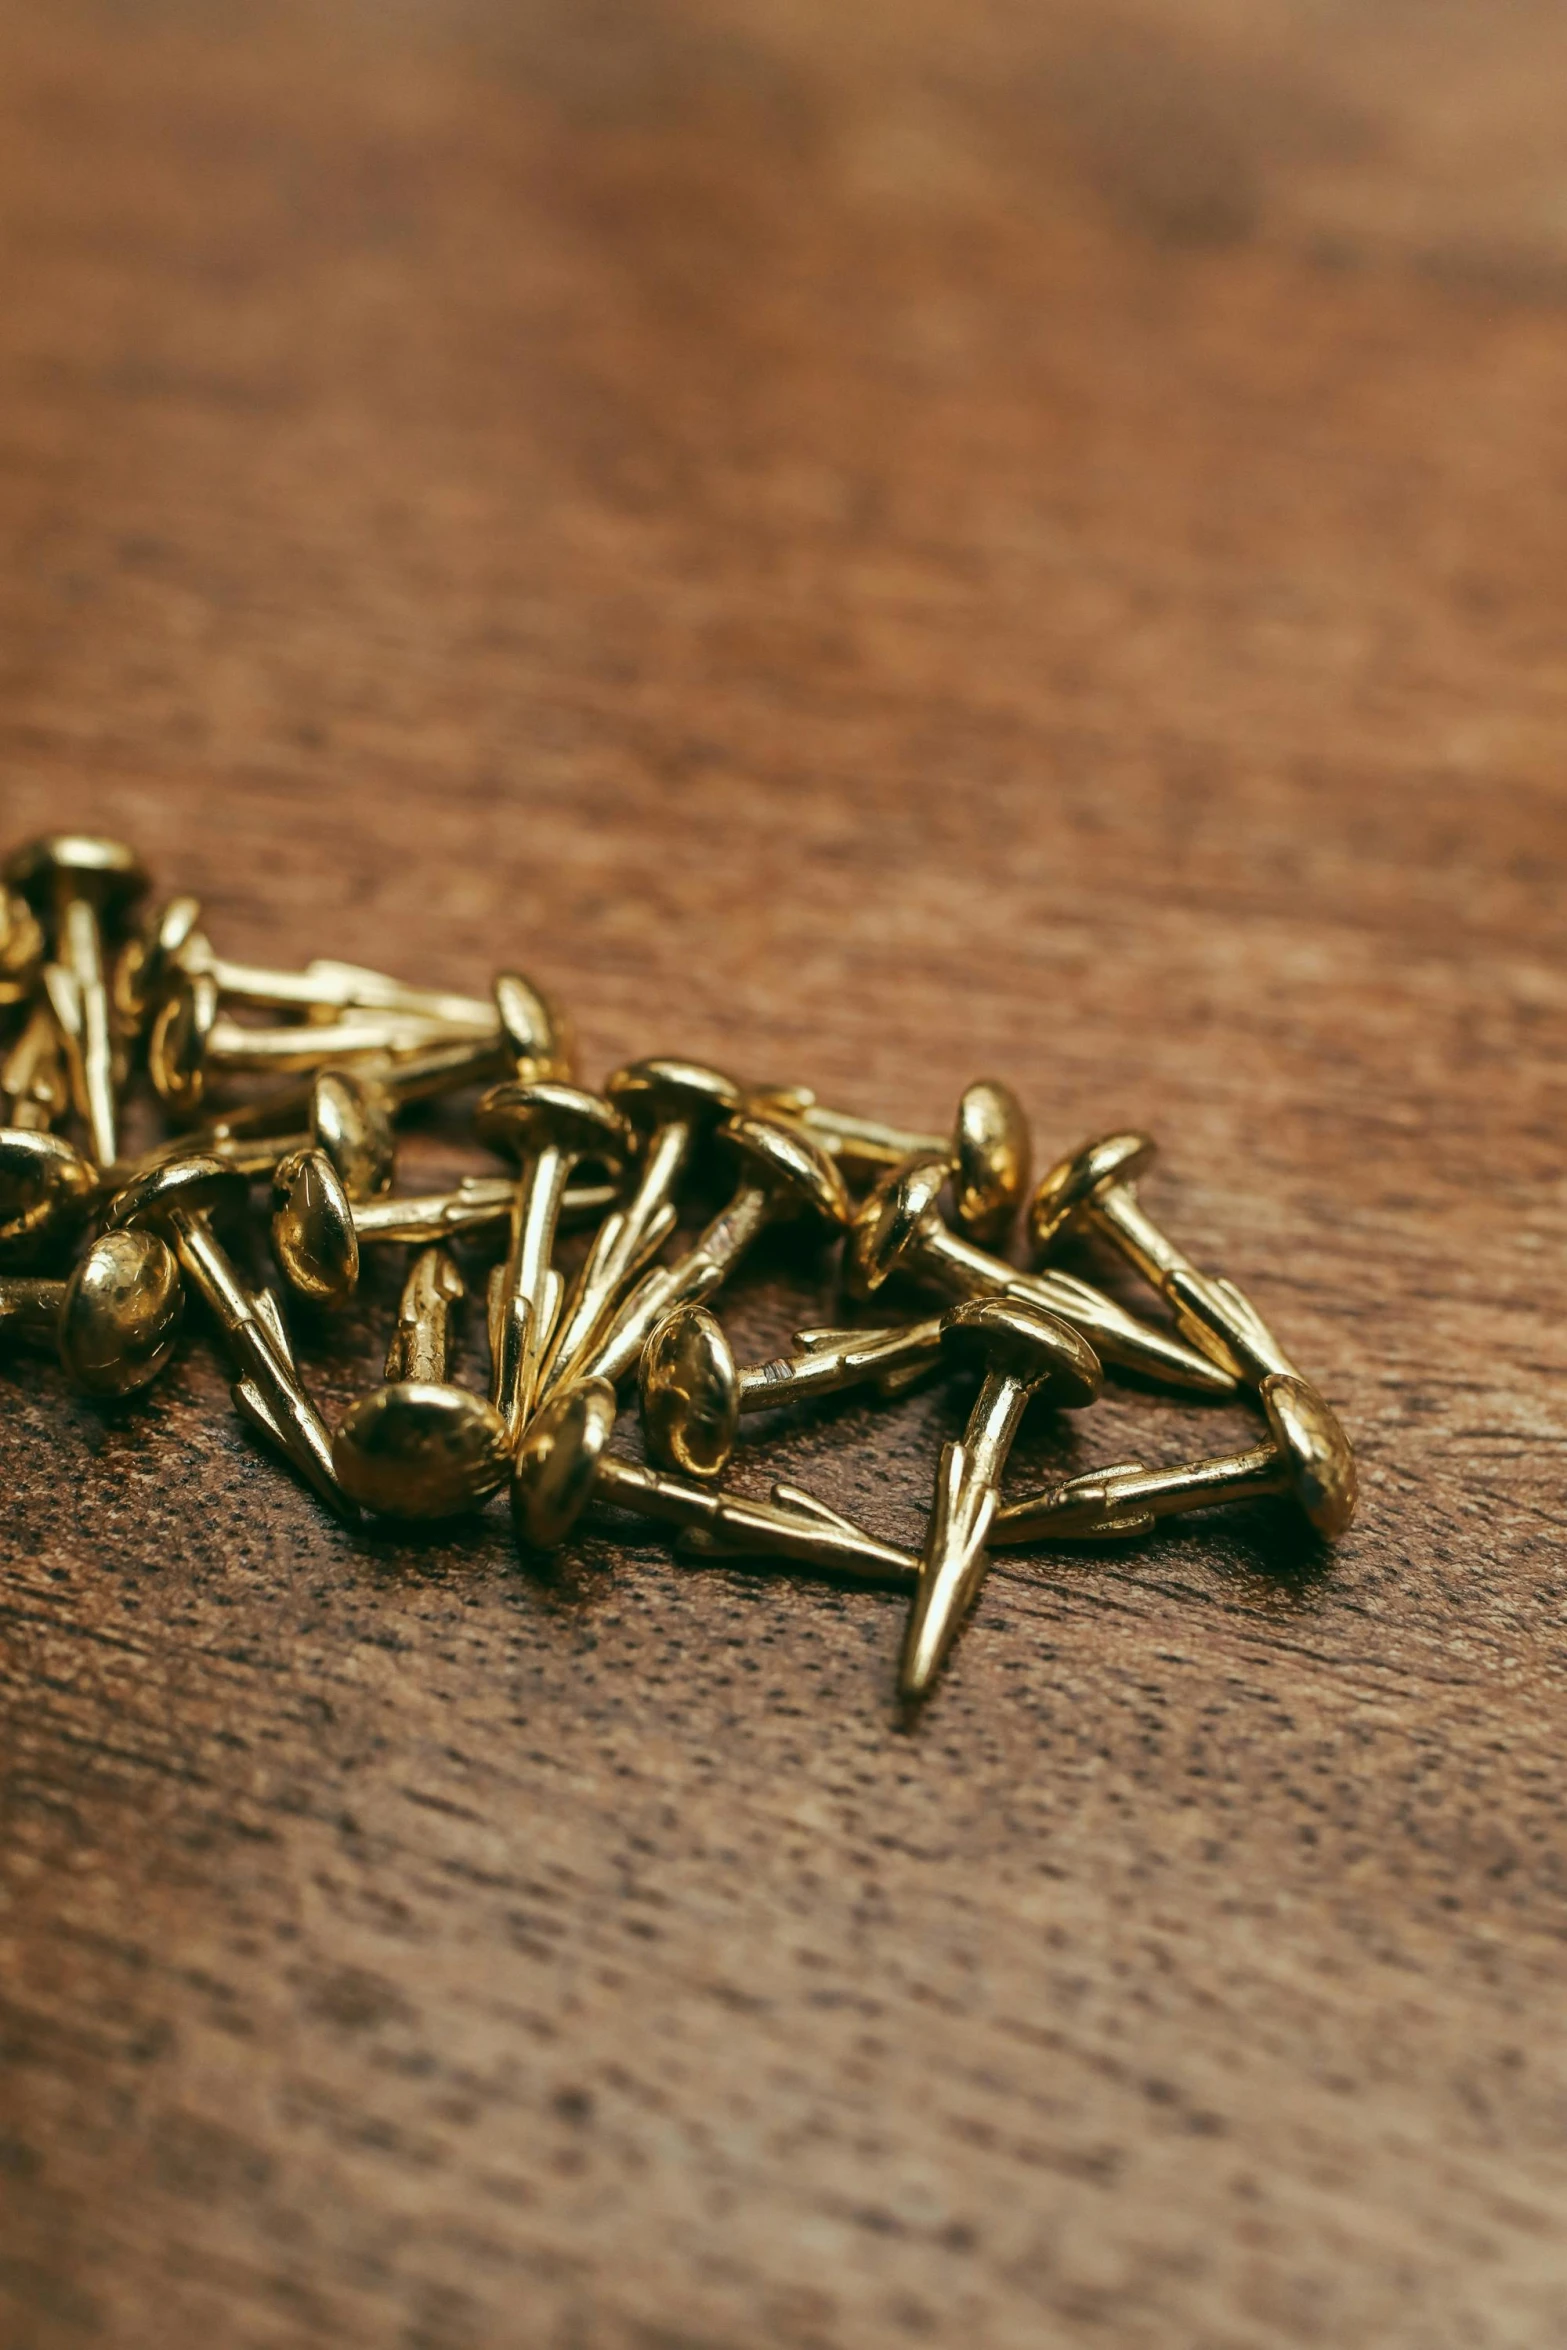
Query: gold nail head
(1020, 1351)
(420, 1447)
(563, 1460)
(690, 1395)
(1307, 1457)
(899, 1229)
(46, 1188)
(114, 1322)
(549, 1128)
(80, 885)
(178, 1200)
(783, 1175)
(670, 1106)
(1096, 1190)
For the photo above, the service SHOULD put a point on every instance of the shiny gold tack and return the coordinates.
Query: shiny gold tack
(195, 1043)
(420, 1447)
(693, 1392)
(900, 1228)
(783, 1175)
(1021, 1352)
(114, 1322)
(1307, 1457)
(563, 1461)
(549, 1128)
(79, 885)
(318, 1231)
(1096, 1190)
(46, 1190)
(178, 1201)
(670, 1106)
(988, 1154)
(350, 1121)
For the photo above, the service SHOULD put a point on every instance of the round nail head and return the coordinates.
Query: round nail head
(1319, 1455)
(196, 1186)
(416, 1449)
(992, 1154)
(690, 1394)
(121, 1314)
(557, 1462)
(44, 1185)
(888, 1224)
(313, 1235)
(1073, 1184)
(1009, 1333)
(796, 1171)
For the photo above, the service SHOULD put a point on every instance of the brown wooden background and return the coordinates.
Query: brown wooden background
(870, 544)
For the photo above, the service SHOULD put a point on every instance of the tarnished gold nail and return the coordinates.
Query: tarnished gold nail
(46, 1190)
(1307, 1457)
(420, 1447)
(1096, 1190)
(693, 1392)
(900, 1228)
(1021, 1352)
(988, 1154)
(670, 1106)
(783, 1174)
(562, 1461)
(177, 1200)
(549, 1128)
(114, 1322)
(78, 884)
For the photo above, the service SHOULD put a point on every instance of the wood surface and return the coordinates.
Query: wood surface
(871, 545)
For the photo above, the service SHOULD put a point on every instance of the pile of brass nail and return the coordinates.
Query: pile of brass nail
(296, 1079)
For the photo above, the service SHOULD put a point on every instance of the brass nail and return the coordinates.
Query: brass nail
(420, 1447)
(693, 1392)
(1022, 1352)
(549, 1128)
(783, 1174)
(78, 883)
(670, 1105)
(1095, 1190)
(988, 1153)
(114, 1322)
(178, 1200)
(562, 1461)
(35, 1085)
(529, 1039)
(1307, 1457)
(46, 1189)
(349, 1120)
(22, 948)
(318, 1231)
(194, 1041)
(899, 1228)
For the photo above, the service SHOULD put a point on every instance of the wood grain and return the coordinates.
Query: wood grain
(867, 545)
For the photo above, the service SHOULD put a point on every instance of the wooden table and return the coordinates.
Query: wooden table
(867, 545)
